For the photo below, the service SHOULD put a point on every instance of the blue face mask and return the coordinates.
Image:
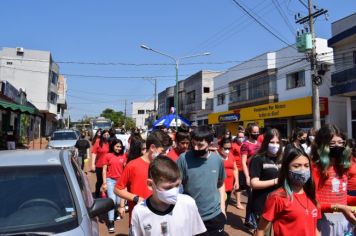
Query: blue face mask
(299, 177)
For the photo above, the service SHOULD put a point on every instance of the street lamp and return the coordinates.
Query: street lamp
(176, 61)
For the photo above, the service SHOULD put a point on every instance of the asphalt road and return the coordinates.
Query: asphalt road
(235, 218)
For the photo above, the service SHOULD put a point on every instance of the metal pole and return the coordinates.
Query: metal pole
(176, 100)
(125, 116)
(155, 100)
(315, 88)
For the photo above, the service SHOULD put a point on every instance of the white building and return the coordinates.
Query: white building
(140, 112)
(275, 90)
(35, 72)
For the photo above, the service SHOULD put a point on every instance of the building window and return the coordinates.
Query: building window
(259, 88)
(238, 92)
(53, 98)
(140, 112)
(54, 78)
(206, 90)
(148, 111)
(191, 97)
(9, 63)
(296, 80)
(221, 99)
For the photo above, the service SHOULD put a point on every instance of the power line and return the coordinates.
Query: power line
(303, 3)
(262, 25)
(284, 17)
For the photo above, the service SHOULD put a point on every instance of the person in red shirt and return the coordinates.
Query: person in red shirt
(232, 177)
(100, 148)
(351, 177)
(248, 149)
(132, 185)
(182, 145)
(113, 167)
(331, 163)
(236, 152)
(292, 208)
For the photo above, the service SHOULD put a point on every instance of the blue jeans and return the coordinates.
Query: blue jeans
(111, 186)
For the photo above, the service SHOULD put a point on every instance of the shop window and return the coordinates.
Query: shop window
(296, 80)
(221, 99)
(191, 97)
(140, 112)
(206, 90)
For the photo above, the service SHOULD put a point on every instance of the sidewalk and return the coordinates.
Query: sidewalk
(37, 144)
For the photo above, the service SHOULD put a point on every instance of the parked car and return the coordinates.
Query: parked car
(63, 139)
(44, 193)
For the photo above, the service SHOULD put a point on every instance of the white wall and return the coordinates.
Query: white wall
(253, 66)
(140, 119)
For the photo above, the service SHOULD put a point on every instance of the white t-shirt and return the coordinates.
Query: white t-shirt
(180, 219)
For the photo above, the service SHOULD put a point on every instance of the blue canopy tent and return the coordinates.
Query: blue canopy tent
(170, 121)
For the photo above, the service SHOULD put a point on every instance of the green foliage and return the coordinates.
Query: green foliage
(118, 117)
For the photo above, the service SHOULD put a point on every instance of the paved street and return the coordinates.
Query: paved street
(233, 227)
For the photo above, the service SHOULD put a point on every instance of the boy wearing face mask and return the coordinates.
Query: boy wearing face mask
(203, 177)
(166, 211)
(132, 184)
(264, 170)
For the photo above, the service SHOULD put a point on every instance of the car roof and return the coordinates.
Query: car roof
(31, 157)
(64, 130)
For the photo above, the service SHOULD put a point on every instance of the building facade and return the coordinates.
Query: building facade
(275, 90)
(343, 78)
(35, 72)
(141, 111)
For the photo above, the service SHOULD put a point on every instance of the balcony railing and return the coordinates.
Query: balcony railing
(343, 77)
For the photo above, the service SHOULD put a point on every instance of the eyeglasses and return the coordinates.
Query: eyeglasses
(340, 143)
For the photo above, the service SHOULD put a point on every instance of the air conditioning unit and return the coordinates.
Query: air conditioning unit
(19, 49)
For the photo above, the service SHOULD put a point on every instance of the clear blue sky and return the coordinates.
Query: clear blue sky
(113, 30)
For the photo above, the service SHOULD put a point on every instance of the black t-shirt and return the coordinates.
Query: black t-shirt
(82, 145)
(264, 168)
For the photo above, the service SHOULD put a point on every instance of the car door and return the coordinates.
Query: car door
(91, 223)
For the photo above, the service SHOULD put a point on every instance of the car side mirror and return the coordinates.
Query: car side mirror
(101, 206)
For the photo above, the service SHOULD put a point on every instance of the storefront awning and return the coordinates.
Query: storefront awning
(18, 107)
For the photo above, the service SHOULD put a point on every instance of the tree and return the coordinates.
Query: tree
(118, 117)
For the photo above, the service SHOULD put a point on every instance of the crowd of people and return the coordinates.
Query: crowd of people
(181, 183)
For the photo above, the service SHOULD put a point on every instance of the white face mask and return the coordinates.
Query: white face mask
(311, 138)
(227, 151)
(155, 154)
(168, 196)
(241, 140)
(273, 148)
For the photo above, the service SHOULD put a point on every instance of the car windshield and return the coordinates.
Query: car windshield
(35, 199)
(102, 125)
(64, 136)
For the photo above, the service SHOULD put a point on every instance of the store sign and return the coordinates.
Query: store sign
(229, 118)
(297, 107)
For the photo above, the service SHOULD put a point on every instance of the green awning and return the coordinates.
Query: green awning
(18, 107)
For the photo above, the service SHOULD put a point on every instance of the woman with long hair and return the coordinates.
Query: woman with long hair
(309, 141)
(137, 149)
(331, 158)
(100, 148)
(248, 149)
(96, 136)
(292, 208)
(298, 138)
(113, 167)
(264, 169)
(232, 175)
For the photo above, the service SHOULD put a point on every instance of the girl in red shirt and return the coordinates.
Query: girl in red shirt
(100, 148)
(113, 166)
(331, 158)
(292, 208)
(232, 174)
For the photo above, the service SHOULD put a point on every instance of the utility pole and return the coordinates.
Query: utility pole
(155, 100)
(316, 79)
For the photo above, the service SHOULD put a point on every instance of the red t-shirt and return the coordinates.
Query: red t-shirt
(236, 151)
(331, 190)
(229, 171)
(291, 217)
(249, 149)
(351, 182)
(100, 153)
(134, 178)
(115, 165)
(173, 154)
